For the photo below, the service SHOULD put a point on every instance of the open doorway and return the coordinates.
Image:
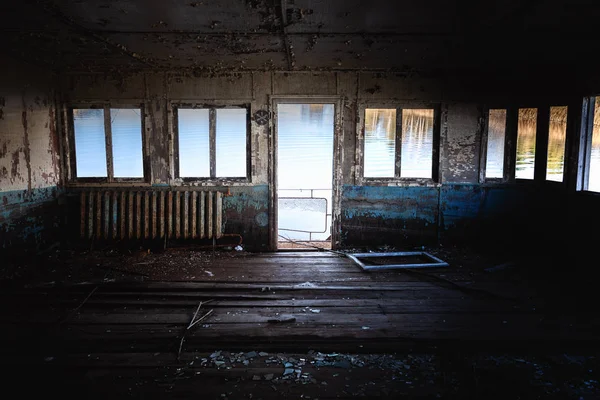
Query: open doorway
(304, 174)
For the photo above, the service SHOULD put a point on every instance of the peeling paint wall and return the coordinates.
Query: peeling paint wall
(29, 156)
(405, 213)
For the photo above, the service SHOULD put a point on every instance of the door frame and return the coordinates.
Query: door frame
(337, 102)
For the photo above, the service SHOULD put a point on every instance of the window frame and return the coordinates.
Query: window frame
(567, 144)
(212, 112)
(110, 178)
(586, 137)
(484, 146)
(397, 178)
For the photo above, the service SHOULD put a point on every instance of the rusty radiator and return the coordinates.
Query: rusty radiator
(135, 214)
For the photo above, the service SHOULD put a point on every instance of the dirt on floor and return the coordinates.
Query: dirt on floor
(255, 374)
(193, 264)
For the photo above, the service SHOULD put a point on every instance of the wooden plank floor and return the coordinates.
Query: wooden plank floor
(122, 331)
(292, 301)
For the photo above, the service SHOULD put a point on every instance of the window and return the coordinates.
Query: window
(591, 147)
(399, 143)
(211, 142)
(108, 144)
(557, 135)
(526, 133)
(494, 165)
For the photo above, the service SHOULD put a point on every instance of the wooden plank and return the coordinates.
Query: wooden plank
(177, 287)
(82, 207)
(423, 326)
(302, 307)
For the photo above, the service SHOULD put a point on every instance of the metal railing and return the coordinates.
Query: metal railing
(312, 191)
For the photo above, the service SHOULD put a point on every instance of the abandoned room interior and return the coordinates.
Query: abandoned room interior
(299, 198)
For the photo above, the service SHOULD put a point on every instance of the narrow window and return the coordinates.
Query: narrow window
(194, 148)
(557, 135)
(380, 143)
(90, 143)
(526, 131)
(231, 142)
(494, 164)
(417, 143)
(212, 143)
(594, 177)
(126, 130)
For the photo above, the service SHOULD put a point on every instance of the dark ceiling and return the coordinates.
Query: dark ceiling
(235, 35)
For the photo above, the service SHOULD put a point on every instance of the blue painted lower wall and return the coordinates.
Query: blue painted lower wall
(246, 212)
(415, 216)
(373, 215)
(29, 219)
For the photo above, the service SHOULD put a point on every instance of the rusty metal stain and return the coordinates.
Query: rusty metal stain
(177, 215)
(201, 215)
(185, 213)
(218, 214)
(209, 211)
(194, 216)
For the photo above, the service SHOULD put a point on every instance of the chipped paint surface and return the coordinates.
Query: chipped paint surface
(378, 215)
(460, 146)
(29, 155)
(245, 212)
(404, 210)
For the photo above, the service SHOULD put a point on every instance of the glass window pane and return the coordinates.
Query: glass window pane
(380, 143)
(126, 128)
(194, 150)
(526, 143)
(557, 136)
(417, 143)
(90, 143)
(494, 166)
(594, 177)
(232, 125)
